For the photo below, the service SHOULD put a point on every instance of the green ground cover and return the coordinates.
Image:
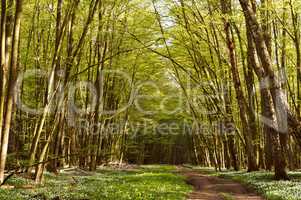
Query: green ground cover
(145, 182)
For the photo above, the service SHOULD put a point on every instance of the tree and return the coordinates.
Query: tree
(13, 73)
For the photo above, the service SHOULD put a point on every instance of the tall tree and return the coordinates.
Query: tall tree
(13, 73)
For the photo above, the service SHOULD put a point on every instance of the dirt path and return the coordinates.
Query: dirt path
(213, 188)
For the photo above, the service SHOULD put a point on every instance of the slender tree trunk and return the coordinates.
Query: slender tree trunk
(252, 166)
(296, 40)
(3, 70)
(11, 88)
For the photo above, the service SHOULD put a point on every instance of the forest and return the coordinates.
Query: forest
(150, 99)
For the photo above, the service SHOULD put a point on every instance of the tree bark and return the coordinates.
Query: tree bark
(285, 116)
(268, 112)
(252, 166)
(11, 88)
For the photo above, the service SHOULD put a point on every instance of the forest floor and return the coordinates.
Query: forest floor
(152, 182)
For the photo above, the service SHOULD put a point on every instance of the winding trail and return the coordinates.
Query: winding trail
(214, 188)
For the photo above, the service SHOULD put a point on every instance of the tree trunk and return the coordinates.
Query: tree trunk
(266, 98)
(252, 166)
(284, 114)
(11, 88)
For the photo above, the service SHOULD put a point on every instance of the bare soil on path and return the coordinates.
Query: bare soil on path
(214, 188)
